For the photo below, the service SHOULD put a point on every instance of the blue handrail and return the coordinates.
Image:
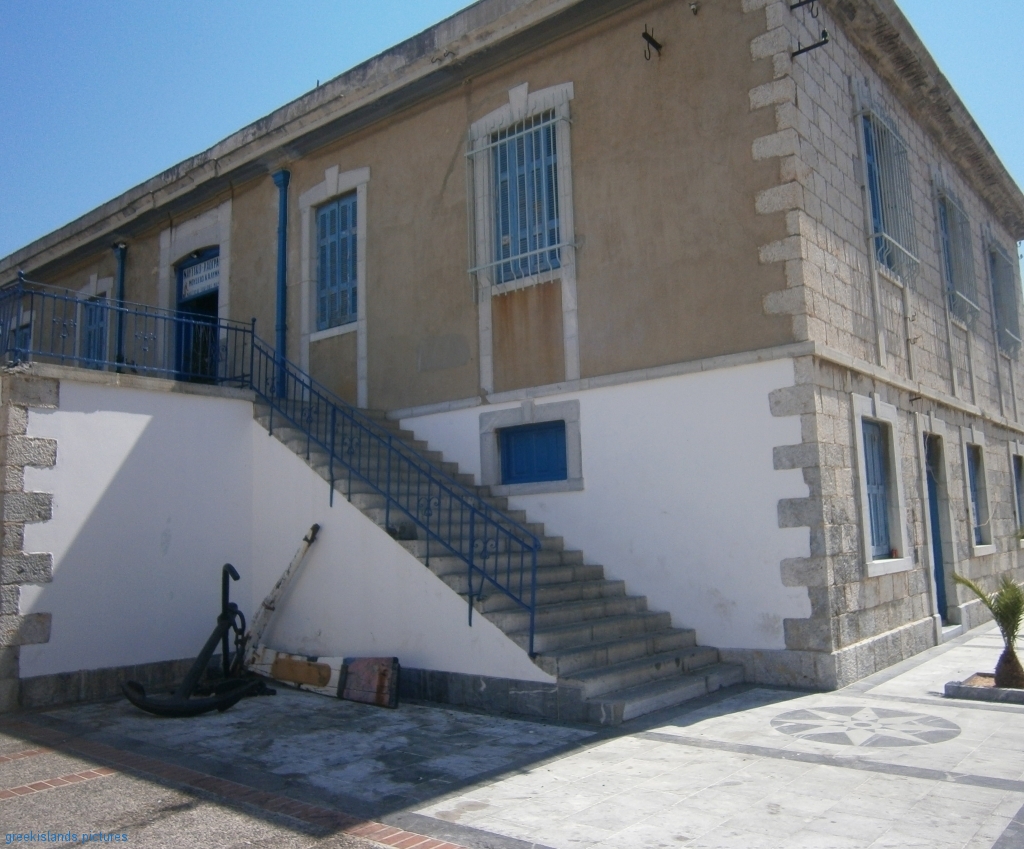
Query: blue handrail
(57, 326)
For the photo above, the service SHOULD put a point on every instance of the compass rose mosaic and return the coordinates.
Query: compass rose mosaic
(852, 725)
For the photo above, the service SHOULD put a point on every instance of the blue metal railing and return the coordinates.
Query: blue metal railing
(56, 326)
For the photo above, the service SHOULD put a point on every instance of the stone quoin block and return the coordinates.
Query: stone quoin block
(25, 568)
(24, 630)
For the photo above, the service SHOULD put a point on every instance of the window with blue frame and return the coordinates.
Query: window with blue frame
(876, 473)
(532, 453)
(979, 496)
(1018, 488)
(958, 258)
(336, 263)
(526, 223)
(889, 196)
(1005, 298)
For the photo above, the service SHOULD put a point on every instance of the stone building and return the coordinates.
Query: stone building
(730, 308)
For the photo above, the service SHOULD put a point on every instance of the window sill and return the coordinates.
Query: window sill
(341, 329)
(537, 487)
(510, 286)
(982, 550)
(889, 274)
(889, 566)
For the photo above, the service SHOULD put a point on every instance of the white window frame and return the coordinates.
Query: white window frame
(530, 413)
(874, 409)
(974, 436)
(522, 104)
(335, 184)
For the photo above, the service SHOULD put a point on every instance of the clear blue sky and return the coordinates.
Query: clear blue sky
(96, 97)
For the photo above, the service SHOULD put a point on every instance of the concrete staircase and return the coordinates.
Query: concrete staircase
(613, 658)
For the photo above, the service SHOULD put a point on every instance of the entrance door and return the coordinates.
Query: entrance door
(196, 337)
(94, 341)
(936, 488)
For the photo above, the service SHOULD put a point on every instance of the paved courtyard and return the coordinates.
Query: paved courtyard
(888, 762)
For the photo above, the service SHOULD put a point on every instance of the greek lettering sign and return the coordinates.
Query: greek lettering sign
(200, 278)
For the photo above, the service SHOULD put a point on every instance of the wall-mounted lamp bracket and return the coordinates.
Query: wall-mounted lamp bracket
(810, 47)
(651, 42)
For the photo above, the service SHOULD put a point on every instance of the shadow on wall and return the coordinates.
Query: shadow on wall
(151, 495)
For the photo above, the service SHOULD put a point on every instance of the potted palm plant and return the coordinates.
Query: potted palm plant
(1006, 605)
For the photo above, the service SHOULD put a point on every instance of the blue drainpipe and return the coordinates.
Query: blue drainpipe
(120, 252)
(281, 181)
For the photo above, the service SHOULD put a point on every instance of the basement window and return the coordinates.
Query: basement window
(533, 453)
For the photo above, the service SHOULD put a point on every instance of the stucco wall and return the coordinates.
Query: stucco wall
(680, 495)
(153, 491)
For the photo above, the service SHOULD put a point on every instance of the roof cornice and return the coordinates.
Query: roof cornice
(479, 37)
(888, 41)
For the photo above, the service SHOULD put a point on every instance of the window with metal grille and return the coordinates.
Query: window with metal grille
(533, 452)
(958, 259)
(524, 168)
(888, 178)
(876, 473)
(979, 497)
(1004, 297)
(336, 263)
(516, 177)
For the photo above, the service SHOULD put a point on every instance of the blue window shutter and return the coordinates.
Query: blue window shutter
(973, 461)
(524, 165)
(532, 453)
(336, 263)
(876, 475)
(1018, 485)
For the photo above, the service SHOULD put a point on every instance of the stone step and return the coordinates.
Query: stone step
(464, 544)
(591, 631)
(400, 474)
(570, 612)
(554, 594)
(546, 575)
(444, 564)
(564, 662)
(621, 705)
(619, 658)
(284, 430)
(599, 680)
(364, 498)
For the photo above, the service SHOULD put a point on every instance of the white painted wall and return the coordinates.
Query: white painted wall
(680, 496)
(154, 491)
(360, 593)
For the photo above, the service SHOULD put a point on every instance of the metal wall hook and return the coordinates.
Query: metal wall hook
(812, 3)
(651, 42)
(810, 47)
